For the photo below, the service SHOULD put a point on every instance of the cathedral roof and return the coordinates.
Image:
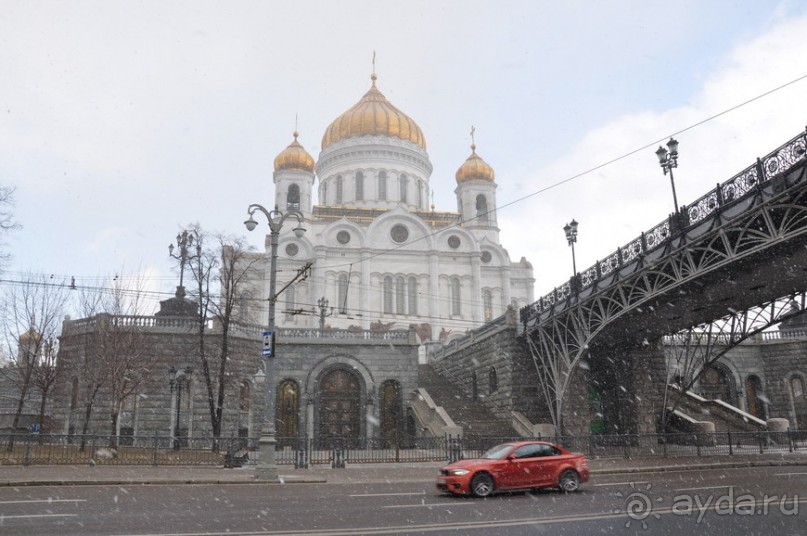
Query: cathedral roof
(475, 169)
(294, 157)
(373, 115)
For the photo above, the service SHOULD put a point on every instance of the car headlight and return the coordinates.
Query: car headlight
(458, 472)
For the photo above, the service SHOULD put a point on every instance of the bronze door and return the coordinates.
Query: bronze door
(340, 405)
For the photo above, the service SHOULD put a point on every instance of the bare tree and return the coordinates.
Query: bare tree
(222, 275)
(119, 356)
(32, 318)
(7, 223)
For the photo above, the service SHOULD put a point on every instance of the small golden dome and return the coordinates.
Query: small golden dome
(30, 337)
(294, 157)
(373, 115)
(475, 169)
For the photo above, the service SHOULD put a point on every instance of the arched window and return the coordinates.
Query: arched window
(454, 284)
(487, 303)
(412, 289)
(387, 295)
(286, 414)
(339, 188)
(420, 194)
(753, 393)
(382, 186)
(343, 285)
(290, 302)
(474, 387)
(359, 186)
(481, 208)
(797, 387)
(716, 384)
(324, 191)
(293, 197)
(74, 395)
(404, 185)
(243, 397)
(400, 295)
(493, 380)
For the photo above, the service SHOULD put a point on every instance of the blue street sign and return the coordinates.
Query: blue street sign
(35, 428)
(268, 343)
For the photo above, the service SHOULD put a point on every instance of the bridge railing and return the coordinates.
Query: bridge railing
(742, 185)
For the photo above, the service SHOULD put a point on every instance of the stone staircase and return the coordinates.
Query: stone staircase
(473, 416)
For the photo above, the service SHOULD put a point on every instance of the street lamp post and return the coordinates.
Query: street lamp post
(184, 242)
(571, 237)
(267, 467)
(668, 159)
(176, 379)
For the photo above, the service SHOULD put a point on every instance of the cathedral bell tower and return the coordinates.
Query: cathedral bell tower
(294, 179)
(476, 192)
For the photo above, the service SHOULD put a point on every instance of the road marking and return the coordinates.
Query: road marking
(705, 487)
(428, 505)
(622, 484)
(788, 474)
(43, 501)
(30, 516)
(387, 494)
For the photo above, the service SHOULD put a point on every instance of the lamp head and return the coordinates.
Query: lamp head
(672, 145)
(251, 223)
(170, 249)
(299, 231)
(662, 155)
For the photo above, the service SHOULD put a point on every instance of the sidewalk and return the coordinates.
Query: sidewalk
(50, 475)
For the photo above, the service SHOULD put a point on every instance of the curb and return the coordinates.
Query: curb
(698, 467)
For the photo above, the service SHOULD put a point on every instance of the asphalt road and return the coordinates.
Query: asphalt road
(769, 500)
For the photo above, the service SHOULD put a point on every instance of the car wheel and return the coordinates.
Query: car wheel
(569, 481)
(482, 485)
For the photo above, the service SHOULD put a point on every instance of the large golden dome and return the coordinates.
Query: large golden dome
(475, 169)
(373, 115)
(294, 157)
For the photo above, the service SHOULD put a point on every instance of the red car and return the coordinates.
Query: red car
(513, 466)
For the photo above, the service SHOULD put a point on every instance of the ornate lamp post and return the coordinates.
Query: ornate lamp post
(184, 242)
(176, 379)
(571, 237)
(668, 159)
(267, 468)
(322, 303)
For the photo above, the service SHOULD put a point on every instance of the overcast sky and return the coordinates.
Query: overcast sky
(122, 122)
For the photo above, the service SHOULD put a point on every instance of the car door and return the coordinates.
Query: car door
(549, 460)
(523, 466)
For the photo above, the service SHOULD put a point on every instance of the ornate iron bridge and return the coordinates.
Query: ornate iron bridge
(736, 247)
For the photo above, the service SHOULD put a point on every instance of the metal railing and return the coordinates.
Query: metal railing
(742, 186)
(302, 452)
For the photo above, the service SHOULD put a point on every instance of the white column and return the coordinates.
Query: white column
(434, 291)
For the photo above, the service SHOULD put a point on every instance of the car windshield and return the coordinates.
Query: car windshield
(498, 452)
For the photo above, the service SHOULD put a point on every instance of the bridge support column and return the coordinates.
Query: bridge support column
(629, 382)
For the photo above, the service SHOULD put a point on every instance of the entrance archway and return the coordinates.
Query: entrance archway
(716, 384)
(340, 405)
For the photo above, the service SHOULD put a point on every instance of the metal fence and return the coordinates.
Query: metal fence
(302, 452)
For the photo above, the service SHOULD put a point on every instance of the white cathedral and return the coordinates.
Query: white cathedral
(381, 256)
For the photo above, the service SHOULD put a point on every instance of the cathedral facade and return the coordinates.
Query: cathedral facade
(380, 255)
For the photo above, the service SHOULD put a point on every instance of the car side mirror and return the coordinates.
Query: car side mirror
(511, 457)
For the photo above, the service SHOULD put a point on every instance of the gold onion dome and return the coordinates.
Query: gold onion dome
(373, 115)
(475, 169)
(294, 157)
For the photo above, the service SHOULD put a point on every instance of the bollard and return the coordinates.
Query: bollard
(337, 455)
